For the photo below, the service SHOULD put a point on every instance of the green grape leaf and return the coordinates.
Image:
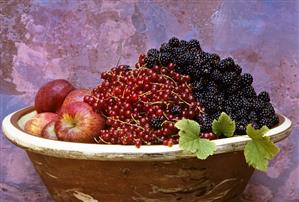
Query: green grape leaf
(224, 125)
(260, 149)
(189, 139)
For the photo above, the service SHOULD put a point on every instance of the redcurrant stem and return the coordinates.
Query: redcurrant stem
(188, 86)
(102, 140)
(116, 98)
(95, 139)
(167, 121)
(159, 84)
(165, 116)
(200, 109)
(170, 79)
(146, 93)
(181, 99)
(153, 103)
(158, 138)
(123, 122)
(134, 119)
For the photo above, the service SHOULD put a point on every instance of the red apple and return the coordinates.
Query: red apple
(35, 125)
(49, 131)
(75, 96)
(78, 122)
(50, 97)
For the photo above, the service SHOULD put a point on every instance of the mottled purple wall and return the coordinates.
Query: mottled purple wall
(47, 39)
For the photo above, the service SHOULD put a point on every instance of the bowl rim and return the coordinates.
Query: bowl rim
(61, 149)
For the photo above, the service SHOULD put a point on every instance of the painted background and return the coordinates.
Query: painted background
(47, 39)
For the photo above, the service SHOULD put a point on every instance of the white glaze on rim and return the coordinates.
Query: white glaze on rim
(72, 150)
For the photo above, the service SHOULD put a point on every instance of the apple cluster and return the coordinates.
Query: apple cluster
(62, 114)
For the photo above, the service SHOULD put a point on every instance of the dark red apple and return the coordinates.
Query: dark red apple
(49, 131)
(78, 122)
(50, 97)
(36, 124)
(75, 96)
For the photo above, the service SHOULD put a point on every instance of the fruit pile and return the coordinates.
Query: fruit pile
(62, 114)
(142, 105)
(218, 85)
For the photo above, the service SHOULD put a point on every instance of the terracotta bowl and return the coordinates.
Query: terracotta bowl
(93, 172)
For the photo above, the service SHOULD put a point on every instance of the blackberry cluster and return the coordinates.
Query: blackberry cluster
(218, 84)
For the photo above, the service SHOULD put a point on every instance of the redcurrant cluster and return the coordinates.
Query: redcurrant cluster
(142, 105)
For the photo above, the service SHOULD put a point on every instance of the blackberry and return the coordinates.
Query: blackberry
(153, 53)
(252, 116)
(234, 116)
(233, 88)
(185, 59)
(206, 126)
(248, 92)
(246, 104)
(165, 59)
(267, 111)
(189, 70)
(215, 116)
(210, 107)
(204, 81)
(264, 122)
(216, 75)
(191, 57)
(196, 63)
(258, 105)
(234, 102)
(165, 47)
(196, 85)
(246, 79)
(150, 62)
(174, 42)
(220, 100)
(206, 69)
(227, 78)
(237, 69)
(264, 96)
(228, 109)
(226, 64)
(156, 122)
(241, 127)
(202, 119)
(197, 74)
(241, 114)
(199, 96)
(204, 58)
(177, 53)
(274, 120)
(194, 45)
(179, 69)
(176, 110)
(212, 88)
(214, 59)
(229, 62)
(255, 125)
(184, 43)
